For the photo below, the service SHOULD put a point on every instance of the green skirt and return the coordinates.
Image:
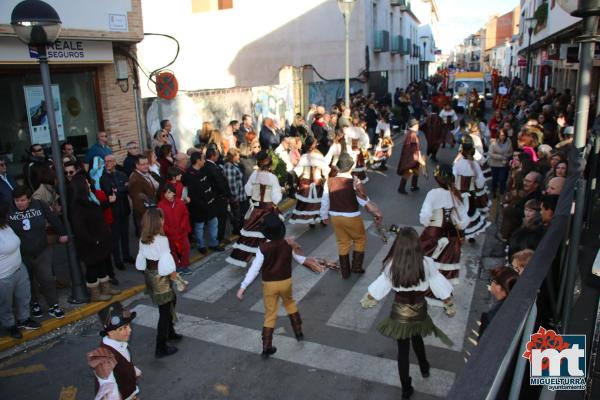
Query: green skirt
(408, 320)
(159, 287)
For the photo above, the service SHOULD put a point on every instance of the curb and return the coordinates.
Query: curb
(70, 317)
(6, 342)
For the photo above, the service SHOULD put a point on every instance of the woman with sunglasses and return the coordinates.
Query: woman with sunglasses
(409, 275)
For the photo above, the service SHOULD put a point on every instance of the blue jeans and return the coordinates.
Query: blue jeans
(213, 229)
(499, 177)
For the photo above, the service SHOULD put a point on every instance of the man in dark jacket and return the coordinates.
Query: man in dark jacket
(245, 128)
(7, 183)
(114, 183)
(203, 208)
(133, 152)
(219, 184)
(28, 218)
(269, 139)
(34, 167)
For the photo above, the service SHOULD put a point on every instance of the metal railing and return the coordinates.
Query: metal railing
(504, 339)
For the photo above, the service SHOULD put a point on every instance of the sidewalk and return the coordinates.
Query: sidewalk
(131, 282)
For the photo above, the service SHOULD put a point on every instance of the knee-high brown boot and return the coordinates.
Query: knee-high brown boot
(345, 265)
(357, 262)
(297, 325)
(267, 342)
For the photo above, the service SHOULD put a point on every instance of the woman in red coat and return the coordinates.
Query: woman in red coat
(177, 228)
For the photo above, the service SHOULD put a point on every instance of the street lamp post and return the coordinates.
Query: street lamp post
(532, 22)
(36, 23)
(346, 7)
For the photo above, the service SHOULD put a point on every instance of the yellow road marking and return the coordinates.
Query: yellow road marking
(22, 370)
(68, 393)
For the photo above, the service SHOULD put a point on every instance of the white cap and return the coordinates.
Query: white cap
(569, 130)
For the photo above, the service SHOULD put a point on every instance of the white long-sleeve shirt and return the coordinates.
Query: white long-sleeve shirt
(254, 269)
(325, 202)
(264, 178)
(439, 285)
(464, 167)
(158, 250)
(441, 198)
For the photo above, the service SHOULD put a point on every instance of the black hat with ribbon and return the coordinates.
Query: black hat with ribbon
(114, 316)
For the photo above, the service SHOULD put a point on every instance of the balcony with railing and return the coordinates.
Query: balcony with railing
(381, 42)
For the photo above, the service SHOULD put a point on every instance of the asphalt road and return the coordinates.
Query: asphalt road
(343, 355)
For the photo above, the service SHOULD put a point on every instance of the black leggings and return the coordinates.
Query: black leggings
(95, 271)
(165, 323)
(403, 349)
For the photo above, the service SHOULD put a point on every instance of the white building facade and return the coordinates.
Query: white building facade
(243, 45)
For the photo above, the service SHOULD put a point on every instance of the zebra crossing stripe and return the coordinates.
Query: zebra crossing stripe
(303, 280)
(307, 354)
(229, 276)
(349, 314)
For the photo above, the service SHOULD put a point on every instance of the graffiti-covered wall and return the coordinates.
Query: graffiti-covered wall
(189, 110)
(276, 102)
(326, 93)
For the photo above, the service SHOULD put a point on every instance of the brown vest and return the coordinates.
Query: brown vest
(465, 184)
(277, 265)
(342, 197)
(124, 373)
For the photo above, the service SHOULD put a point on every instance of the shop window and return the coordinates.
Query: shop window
(199, 6)
(78, 105)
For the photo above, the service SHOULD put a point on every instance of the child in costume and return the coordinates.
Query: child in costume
(409, 274)
(383, 151)
(116, 375)
(274, 261)
(176, 227)
(155, 259)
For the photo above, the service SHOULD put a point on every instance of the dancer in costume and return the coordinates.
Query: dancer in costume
(411, 159)
(410, 275)
(434, 132)
(383, 151)
(444, 215)
(337, 147)
(357, 141)
(274, 261)
(342, 197)
(469, 179)
(449, 118)
(116, 376)
(155, 259)
(265, 193)
(312, 171)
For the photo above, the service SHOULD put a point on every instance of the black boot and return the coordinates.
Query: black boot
(407, 389)
(357, 262)
(267, 341)
(297, 325)
(174, 336)
(164, 350)
(414, 181)
(402, 187)
(345, 266)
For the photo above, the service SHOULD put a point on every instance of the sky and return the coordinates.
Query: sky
(460, 18)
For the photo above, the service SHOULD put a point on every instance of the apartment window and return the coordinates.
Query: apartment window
(199, 6)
